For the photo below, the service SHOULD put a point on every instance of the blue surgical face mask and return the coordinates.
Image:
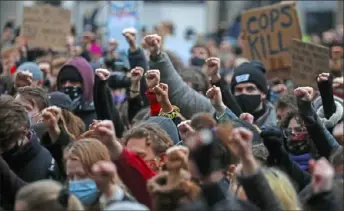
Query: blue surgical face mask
(86, 190)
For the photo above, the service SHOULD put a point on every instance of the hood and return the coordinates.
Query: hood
(167, 125)
(336, 117)
(269, 118)
(87, 74)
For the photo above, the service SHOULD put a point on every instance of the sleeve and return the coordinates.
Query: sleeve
(324, 201)
(227, 97)
(138, 59)
(180, 94)
(258, 192)
(105, 108)
(323, 140)
(10, 183)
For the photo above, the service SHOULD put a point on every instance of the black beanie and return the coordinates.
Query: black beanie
(252, 73)
(69, 73)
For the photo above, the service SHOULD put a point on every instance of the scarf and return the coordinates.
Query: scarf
(302, 160)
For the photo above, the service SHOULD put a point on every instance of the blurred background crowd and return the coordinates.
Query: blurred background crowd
(182, 24)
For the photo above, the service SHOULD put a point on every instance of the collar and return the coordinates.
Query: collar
(18, 157)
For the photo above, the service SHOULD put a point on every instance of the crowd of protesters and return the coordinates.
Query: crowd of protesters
(156, 128)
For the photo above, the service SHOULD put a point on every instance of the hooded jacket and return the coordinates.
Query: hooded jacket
(87, 111)
(32, 161)
(336, 117)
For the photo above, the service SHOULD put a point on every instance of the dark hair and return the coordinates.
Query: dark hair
(286, 101)
(196, 77)
(14, 121)
(293, 113)
(199, 45)
(35, 95)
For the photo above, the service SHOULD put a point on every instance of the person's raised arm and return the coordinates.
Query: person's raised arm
(222, 113)
(331, 112)
(135, 100)
(180, 94)
(322, 187)
(279, 157)
(213, 66)
(322, 138)
(136, 57)
(256, 187)
(167, 109)
(103, 101)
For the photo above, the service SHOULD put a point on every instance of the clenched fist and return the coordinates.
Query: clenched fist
(103, 74)
(153, 43)
(213, 66)
(136, 74)
(305, 93)
(152, 78)
(130, 36)
(23, 78)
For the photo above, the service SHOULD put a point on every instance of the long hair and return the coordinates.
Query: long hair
(89, 151)
(74, 126)
(282, 188)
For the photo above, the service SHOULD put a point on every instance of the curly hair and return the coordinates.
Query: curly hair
(161, 141)
(290, 115)
(14, 121)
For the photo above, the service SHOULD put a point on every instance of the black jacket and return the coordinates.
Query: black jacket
(259, 194)
(32, 162)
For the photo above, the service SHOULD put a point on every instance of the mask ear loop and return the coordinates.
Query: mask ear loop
(63, 197)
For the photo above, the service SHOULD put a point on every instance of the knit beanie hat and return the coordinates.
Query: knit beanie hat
(60, 100)
(69, 73)
(33, 68)
(250, 72)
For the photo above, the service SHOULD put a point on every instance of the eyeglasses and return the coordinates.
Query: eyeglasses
(294, 131)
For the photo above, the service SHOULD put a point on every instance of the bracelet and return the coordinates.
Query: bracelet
(134, 91)
(172, 114)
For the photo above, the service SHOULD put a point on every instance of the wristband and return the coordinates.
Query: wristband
(172, 114)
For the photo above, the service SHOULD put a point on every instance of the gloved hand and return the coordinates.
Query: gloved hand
(273, 139)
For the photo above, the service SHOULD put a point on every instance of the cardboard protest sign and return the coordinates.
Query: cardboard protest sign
(267, 34)
(46, 26)
(308, 61)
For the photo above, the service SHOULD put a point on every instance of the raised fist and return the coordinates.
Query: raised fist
(305, 93)
(103, 74)
(153, 43)
(136, 74)
(152, 78)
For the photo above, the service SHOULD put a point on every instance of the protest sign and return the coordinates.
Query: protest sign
(308, 61)
(123, 14)
(46, 27)
(267, 34)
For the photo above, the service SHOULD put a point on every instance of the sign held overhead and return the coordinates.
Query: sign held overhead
(267, 34)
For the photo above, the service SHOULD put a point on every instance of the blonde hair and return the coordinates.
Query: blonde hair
(283, 189)
(89, 151)
(44, 195)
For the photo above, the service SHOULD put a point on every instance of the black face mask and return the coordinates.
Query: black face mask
(198, 62)
(75, 94)
(248, 103)
(297, 147)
